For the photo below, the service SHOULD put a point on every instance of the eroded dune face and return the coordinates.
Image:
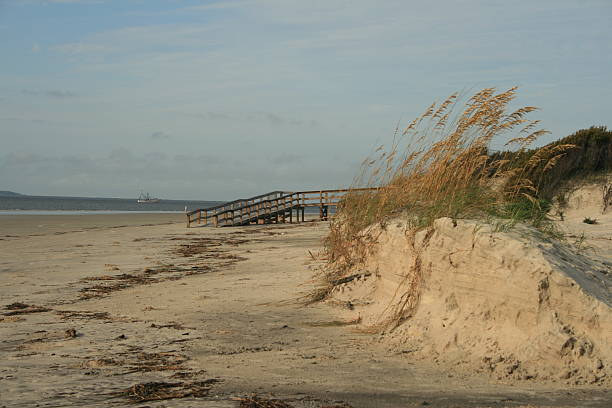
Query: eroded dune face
(593, 198)
(508, 303)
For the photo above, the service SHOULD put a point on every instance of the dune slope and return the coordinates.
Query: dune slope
(508, 303)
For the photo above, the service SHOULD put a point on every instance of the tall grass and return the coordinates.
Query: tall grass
(439, 166)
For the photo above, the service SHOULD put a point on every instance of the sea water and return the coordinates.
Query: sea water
(45, 205)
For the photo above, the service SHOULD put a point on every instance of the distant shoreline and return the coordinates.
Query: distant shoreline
(10, 194)
(82, 212)
(86, 205)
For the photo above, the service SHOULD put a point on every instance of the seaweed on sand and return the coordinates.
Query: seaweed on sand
(253, 401)
(156, 391)
(197, 246)
(156, 362)
(113, 283)
(78, 314)
(19, 308)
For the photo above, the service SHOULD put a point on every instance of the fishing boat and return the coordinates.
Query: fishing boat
(145, 198)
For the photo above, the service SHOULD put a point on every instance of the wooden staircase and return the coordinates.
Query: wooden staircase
(272, 207)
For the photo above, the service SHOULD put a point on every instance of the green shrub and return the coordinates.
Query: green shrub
(591, 154)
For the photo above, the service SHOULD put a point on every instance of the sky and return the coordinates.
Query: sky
(216, 100)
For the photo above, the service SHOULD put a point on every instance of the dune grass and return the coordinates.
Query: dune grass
(440, 166)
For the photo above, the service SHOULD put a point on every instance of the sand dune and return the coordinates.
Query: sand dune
(512, 304)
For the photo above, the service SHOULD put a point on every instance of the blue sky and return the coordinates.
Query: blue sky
(220, 99)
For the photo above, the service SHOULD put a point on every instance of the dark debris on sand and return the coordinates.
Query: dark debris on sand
(112, 283)
(207, 255)
(159, 362)
(78, 314)
(206, 247)
(176, 326)
(255, 401)
(155, 391)
(19, 308)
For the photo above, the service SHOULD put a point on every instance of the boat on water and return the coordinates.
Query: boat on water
(145, 198)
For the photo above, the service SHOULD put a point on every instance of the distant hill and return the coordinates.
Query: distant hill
(9, 194)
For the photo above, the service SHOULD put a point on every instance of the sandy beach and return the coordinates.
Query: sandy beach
(93, 306)
(289, 204)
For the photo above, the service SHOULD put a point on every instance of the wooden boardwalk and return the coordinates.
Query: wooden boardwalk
(273, 207)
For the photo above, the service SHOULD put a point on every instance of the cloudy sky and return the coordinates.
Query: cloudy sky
(197, 99)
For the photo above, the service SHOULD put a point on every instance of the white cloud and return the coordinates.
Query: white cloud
(65, 1)
(219, 5)
(79, 48)
(209, 177)
(52, 93)
(35, 120)
(137, 40)
(159, 136)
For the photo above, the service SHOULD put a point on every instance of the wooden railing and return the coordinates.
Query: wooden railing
(206, 215)
(276, 206)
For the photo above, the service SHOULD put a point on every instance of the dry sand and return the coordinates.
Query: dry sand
(212, 313)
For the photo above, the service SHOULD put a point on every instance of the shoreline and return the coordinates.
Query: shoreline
(82, 212)
(157, 302)
(20, 226)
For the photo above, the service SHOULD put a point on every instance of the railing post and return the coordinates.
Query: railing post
(301, 209)
(320, 205)
(275, 210)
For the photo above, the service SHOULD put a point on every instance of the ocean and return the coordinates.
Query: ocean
(86, 205)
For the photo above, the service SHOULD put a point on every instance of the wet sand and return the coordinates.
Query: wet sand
(103, 303)
(31, 225)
